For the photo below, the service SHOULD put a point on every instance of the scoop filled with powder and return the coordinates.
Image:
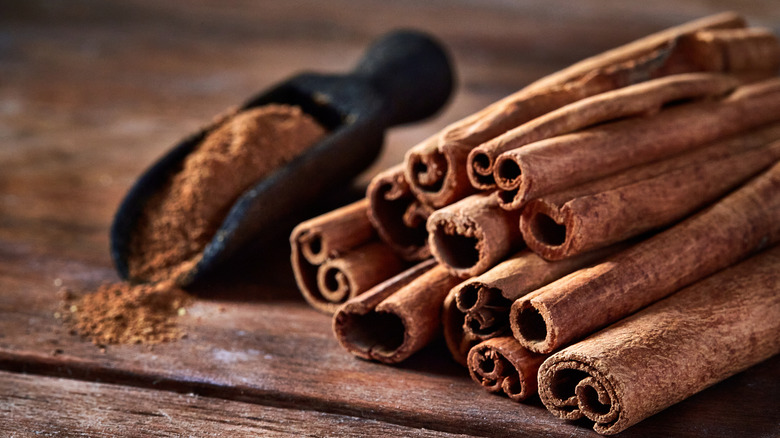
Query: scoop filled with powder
(180, 220)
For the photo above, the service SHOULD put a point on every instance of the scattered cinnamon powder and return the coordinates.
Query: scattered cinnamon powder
(123, 313)
(182, 218)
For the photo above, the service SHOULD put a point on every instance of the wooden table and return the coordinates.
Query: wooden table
(92, 92)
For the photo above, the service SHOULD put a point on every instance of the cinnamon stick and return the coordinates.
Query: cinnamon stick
(453, 322)
(484, 301)
(473, 234)
(638, 200)
(560, 162)
(397, 318)
(634, 100)
(670, 350)
(399, 218)
(738, 225)
(503, 365)
(353, 273)
(436, 169)
(336, 255)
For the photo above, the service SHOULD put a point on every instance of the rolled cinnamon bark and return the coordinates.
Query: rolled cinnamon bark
(332, 233)
(633, 100)
(473, 234)
(337, 255)
(484, 301)
(349, 275)
(560, 162)
(738, 225)
(436, 169)
(397, 318)
(503, 365)
(399, 218)
(566, 224)
(452, 320)
(670, 350)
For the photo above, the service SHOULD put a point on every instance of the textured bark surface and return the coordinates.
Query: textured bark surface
(398, 317)
(484, 300)
(556, 228)
(437, 168)
(92, 92)
(336, 256)
(565, 161)
(735, 227)
(671, 350)
(644, 98)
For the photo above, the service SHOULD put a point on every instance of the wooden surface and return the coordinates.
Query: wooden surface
(91, 93)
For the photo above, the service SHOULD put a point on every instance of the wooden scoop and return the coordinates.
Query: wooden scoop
(403, 77)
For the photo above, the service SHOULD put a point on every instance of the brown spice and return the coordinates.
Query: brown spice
(182, 218)
(123, 313)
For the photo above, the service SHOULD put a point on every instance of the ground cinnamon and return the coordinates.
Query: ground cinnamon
(728, 231)
(670, 350)
(123, 313)
(183, 217)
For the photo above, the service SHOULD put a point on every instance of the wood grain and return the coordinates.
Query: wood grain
(92, 93)
(34, 405)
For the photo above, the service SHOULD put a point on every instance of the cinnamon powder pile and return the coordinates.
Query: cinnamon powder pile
(182, 218)
(123, 313)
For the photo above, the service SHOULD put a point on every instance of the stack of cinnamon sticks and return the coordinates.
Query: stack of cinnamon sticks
(607, 236)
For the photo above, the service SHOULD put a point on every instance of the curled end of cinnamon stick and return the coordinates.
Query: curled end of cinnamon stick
(397, 215)
(572, 389)
(435, 175)
(531, 326)
(372, 335)
(479, 166)
(396, 318)
(472, 235)
(502, 365)
(485, 309)
(334, 283)
(458, 342)
(546, 229)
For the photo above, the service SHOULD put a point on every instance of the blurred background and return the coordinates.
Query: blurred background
(92, 91)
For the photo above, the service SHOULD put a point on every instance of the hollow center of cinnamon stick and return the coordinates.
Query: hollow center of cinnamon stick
(312, 247)
(380, 333)
(467, 297)
(547, 230)
(531, 324)
(508, 171)
(487, 365)
(564, 382)
(429, 175)
(507, 196)
(457, 250)
(589, 400)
